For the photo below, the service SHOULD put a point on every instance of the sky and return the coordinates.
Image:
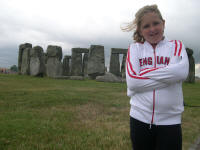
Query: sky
(81, 23)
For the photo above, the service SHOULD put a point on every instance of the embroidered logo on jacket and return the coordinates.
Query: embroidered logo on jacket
(159, 60)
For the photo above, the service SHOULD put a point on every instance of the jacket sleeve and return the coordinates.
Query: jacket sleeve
(176, 71)
(136, 82)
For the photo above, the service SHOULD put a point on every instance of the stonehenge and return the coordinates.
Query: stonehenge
(82, 63)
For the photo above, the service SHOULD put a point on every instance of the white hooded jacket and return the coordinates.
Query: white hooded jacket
(154, 81)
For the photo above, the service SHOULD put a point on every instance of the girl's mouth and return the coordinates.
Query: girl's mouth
(153, 34)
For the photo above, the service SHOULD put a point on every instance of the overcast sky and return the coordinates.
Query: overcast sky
(81, 23)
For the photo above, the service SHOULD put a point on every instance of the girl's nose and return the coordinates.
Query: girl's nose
(152, 28)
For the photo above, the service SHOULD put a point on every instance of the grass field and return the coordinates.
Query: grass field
(49, 114)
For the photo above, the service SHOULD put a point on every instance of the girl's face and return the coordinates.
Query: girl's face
(152, 28)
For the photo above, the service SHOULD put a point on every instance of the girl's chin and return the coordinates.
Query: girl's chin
(155, 41)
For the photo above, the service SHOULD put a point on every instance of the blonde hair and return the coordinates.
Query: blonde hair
(136, 23)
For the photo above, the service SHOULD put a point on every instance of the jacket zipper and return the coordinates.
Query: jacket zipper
(154, 91)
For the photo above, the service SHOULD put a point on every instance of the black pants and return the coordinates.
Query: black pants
(161, 137)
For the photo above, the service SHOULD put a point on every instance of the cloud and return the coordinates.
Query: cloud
(82, 23)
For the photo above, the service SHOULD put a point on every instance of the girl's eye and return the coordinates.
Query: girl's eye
(146, 26)
(156, 23)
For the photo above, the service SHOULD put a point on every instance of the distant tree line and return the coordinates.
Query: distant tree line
(14, 68)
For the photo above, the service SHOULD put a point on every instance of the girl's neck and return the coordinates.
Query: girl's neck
(154, 45)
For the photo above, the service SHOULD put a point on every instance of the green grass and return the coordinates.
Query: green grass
(49, 114)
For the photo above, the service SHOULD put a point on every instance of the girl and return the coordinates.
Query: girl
(155, 70)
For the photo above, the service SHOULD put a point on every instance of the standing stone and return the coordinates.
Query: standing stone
(114, 64)
(66, 65)
(37, 64)
(25, 65)
(22, 47)
(96, 61)
(85, 63)
(76, 63)
(54, 51)
(191, 75)
(54, 64)
(45, 58)
(123, 71)
(45, 64)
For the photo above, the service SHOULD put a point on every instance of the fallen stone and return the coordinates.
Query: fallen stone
(109, 77)
(61, 77)
(76, 77)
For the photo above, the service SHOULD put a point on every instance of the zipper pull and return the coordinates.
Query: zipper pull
(150, 126)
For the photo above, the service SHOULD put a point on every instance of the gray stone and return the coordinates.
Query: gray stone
(189, 51)
(119, 51)
(53, 67)
(54, 51)
(69, 77)
(76, 77)
(61, 77)
(96, 61)
(123, 67)
(108, 77)
(66, 65)
(54, 64)
(22, 47)
(85, 63)
(25, 65)
(76, 63)
(37, 65)
(81, 50)
(191, 75)
(45, 58)
(114, 64)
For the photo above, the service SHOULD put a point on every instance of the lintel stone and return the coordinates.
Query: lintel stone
(118, 51)
(80, 50)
